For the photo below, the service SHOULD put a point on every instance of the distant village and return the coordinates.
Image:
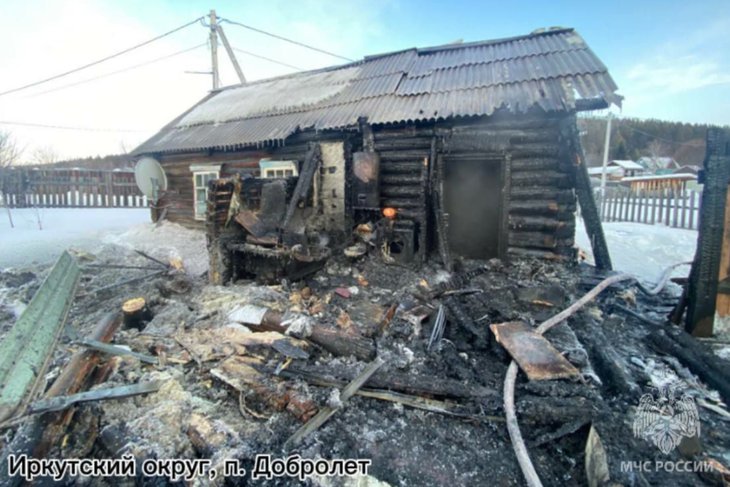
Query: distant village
(647, 173)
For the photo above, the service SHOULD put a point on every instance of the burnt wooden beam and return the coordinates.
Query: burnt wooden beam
(573, 151)
(334, 340)
(537, 223)
(710, 369)
(538, 254)
(540, 207)
(541, 178)
(304, 183)
(440, 217)
(703, 280)
(419, 385)
(42, 432)
(588, 104)
(535, 164)
(543, 193)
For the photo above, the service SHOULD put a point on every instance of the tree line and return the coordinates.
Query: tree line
(633, 138)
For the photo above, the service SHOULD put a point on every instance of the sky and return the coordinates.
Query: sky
(670, 59)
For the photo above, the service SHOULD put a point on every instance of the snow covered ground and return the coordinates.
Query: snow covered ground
(165, 242)
(81, 228)
(642, 249)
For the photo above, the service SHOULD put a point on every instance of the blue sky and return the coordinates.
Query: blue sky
(670, 59)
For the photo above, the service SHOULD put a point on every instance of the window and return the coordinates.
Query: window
(202, 174)
(278, 169)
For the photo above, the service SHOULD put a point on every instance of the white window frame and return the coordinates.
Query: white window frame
(285, 170)
(202, 170)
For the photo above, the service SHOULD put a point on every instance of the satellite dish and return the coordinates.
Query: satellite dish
(150, 177)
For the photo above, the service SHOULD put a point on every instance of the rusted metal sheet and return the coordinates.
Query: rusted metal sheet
(548, 70)
(532, 352)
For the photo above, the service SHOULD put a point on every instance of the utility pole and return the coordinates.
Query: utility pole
(214, 49)
(231, 55)
(605, 159)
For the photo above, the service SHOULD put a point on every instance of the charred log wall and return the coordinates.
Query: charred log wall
(179, 199)
(540, 197)
(538, 203)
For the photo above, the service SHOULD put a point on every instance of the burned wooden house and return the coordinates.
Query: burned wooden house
(465, 150)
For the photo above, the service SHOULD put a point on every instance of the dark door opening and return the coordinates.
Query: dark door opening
(472, 199)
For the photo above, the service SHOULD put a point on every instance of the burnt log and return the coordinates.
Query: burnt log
(541, 178)
(136, 313)
(535, 164)
(541, 207)
(333, 340)
(537, 223)
(520, 193)
(419, 385)
(572, 152)
(559, 254)
(696, 357)
(404, 155)
(538, 239)
(41, 433)
(400, 168)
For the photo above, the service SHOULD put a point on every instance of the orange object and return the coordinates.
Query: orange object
(390, 213)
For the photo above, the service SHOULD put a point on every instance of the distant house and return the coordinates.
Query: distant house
(687, 169)
(660, 182)
(613, 173)
(628, 168)
(616, 170)
(658, 165)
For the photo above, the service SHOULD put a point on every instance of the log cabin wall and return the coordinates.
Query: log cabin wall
(535, 178)
(179, 198)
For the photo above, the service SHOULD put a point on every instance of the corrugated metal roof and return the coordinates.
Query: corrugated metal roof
(549, 70)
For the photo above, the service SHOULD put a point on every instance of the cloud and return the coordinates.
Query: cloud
(65, 34)
(662, 76)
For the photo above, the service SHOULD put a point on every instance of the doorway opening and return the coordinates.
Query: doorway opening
(473, 201)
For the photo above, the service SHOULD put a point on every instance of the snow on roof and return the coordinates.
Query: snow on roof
(536, 71)
(685, 177)
(599, 170)
(627, 164)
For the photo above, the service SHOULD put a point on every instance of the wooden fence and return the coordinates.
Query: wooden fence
(69, 188)
(675, 208)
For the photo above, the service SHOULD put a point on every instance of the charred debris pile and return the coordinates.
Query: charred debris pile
(401, 365)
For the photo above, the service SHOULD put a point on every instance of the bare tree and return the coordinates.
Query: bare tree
(656, 149)
(44, 155)
(10, 152)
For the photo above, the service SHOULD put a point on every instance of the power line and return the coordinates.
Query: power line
(65, 127)
(267, 59)
(123, 70)
(94, 63)
(292, 41)
(674, 142)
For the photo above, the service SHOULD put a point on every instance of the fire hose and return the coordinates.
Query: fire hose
(513, 427)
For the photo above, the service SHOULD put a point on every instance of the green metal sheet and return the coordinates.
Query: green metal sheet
(25, 350)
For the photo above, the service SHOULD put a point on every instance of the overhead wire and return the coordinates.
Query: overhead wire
(268, 59)
(66, 127)
(99, 61)
(123, 70)
(286, 39)
(674, 142)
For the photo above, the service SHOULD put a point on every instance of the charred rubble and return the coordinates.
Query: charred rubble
(232, 384)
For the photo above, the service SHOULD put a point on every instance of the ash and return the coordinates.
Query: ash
(231, 391)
